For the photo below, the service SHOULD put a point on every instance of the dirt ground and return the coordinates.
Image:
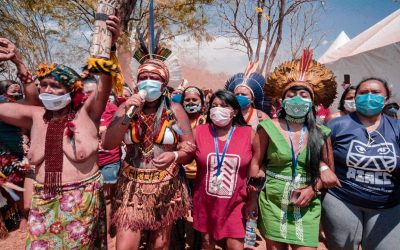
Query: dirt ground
(16, 241)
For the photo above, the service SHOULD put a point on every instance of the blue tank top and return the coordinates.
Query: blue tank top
(367, 164)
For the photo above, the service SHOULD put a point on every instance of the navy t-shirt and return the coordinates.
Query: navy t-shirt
(367, 164)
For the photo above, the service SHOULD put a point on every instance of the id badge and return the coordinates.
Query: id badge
(217, 181)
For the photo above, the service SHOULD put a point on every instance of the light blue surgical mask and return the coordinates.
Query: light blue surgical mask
(177, 98)
(152, 88)
(297, 107)
(370, 104)
(244, 101)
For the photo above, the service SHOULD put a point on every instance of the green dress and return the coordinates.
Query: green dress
(278, 219)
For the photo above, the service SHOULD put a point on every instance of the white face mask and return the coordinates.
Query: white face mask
(220, 116)
(349, 105)
(55, 102)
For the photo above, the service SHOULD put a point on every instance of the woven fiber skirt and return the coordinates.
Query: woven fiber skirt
(149, 199)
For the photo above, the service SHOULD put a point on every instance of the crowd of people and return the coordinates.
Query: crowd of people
(92, 169)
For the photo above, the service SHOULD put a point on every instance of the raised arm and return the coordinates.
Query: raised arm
(8, 51)
(97, 102)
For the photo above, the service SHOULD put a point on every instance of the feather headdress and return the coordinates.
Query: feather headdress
(305, 72)
(253, 81)
(156, 51)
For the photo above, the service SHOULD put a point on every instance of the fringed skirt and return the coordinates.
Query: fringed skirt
(149, 199)
(73, 219)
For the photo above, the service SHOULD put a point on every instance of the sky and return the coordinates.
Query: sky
(351, 16)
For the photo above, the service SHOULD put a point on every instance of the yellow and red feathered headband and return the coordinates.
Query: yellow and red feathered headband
(307, 73)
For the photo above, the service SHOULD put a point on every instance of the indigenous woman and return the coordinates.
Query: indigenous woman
(193, 103)
(366, 152)
(150, 194)
(67, 208)
(249, 90)
(223, 157)
(347, 103)
(294, 150)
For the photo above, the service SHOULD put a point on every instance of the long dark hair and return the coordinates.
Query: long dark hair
(315, 137)
(230, 99)
(343, 97)
(385, 85)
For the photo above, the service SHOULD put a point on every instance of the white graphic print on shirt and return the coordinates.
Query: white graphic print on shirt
(371, 163)
(224, 186)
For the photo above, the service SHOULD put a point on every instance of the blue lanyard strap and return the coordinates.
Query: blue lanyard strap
(221, 160)
(295, 157)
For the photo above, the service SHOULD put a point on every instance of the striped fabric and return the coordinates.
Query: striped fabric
(155, 66)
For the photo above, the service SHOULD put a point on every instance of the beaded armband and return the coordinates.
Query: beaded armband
(25, 79)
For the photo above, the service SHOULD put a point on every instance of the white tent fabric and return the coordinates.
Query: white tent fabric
(374, 52)
(340, 40)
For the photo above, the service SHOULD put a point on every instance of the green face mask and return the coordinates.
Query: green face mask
(297, 107)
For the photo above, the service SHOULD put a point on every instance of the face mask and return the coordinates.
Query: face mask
(392, 110)
(370, 104)
(349, 105)
(297, 107)
(243, 101)
(55, 102)
(220, 116)
(177, 98)
(153, 89)
(192, 108)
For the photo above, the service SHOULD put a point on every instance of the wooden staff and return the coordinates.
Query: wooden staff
(101, 42)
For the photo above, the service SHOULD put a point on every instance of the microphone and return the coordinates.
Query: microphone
(132, 110)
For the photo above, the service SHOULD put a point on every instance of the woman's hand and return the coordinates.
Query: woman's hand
(164, 160)
(306, 194)
(8, 51)
(113, 25)
(135, 100)
(329, 179)
(186, 146)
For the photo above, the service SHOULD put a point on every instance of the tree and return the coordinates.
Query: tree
(52, 30)
(42, 30)
(257, 29)
(303, 26)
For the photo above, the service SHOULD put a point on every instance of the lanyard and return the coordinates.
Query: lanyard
(220, 160)
(295, 157)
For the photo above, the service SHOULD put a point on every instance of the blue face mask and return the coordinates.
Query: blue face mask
(153, 89)
(297, 107)
(244, 102)
(177, 98)
(370, 104)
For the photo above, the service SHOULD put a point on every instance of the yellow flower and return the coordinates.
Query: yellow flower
(44, 69)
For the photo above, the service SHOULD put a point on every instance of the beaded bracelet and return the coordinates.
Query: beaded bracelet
(25, 79)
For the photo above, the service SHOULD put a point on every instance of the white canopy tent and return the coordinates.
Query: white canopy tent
(340, 40)
(374, 52)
